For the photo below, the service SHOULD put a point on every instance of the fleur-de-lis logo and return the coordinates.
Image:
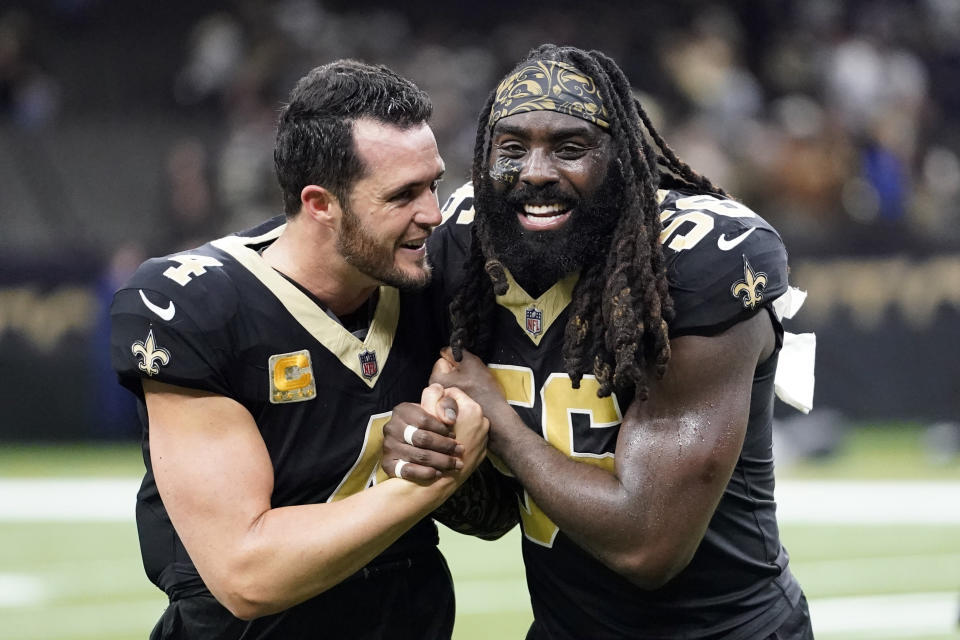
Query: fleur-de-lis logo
(750, 286)
(150, 354)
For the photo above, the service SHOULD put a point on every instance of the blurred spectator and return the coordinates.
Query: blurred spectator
(837, 121)
(827, 115)
(191, 212)
(29, 95)
(214, 56)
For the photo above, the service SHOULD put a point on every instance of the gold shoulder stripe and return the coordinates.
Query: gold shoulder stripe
(340, 342)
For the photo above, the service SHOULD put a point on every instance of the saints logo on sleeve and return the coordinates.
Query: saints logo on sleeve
(750, 289)
(169, 332)
(151, 357)
(724, 262)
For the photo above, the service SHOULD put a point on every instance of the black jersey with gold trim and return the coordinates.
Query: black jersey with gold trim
(724, 263)
(219, 319)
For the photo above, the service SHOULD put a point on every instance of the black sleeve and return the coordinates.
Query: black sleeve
(449, 247)
(172, 333)
(719, 278)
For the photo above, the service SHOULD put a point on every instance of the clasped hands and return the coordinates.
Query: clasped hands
(447, 432)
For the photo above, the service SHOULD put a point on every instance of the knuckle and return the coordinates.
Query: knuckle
(450, 447)
(430, 425)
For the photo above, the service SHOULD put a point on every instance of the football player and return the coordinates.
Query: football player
(626, 316)
(266, 364)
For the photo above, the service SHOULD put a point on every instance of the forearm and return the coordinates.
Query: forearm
(215, 477)
(579, 498)
(625, 525)
(485, 505)
(290, 554)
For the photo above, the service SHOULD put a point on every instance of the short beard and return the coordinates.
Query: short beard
(538, 259)
(362, 251)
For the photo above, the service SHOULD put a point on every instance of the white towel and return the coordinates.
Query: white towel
(794, 380)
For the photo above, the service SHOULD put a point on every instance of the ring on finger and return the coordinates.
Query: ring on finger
(398, 468)
(408, 432)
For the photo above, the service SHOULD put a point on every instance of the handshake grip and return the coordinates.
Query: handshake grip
(445, 434)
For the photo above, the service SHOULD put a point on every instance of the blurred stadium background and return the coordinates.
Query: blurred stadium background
(130, 129)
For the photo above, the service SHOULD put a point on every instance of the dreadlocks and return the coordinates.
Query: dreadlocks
(621, 307)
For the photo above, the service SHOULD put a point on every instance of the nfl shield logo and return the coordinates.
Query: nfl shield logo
(534, 321)
(368, 363)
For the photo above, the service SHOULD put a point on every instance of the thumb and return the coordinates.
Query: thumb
(441, 367)
(465, 404)
(430, 397)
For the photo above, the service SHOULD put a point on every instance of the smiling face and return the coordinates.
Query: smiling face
(555, 195)
(393, 207)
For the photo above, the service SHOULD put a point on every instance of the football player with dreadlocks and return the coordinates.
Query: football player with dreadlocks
(626, 316)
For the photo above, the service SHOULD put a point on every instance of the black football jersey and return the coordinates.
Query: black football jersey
(219, 319)
(724, 263)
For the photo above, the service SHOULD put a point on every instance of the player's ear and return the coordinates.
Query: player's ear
(320, 204)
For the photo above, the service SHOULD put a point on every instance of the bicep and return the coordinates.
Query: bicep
(684, 441)
(210, 463)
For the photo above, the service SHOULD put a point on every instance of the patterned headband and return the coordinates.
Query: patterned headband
(547, 85)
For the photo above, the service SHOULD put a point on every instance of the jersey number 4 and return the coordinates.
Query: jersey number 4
(366, 470)
(560, 402)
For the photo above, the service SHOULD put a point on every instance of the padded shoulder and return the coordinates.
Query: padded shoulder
(724, 262)
(449, 244)
(171, 321)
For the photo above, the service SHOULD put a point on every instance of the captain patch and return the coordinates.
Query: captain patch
(291, 377)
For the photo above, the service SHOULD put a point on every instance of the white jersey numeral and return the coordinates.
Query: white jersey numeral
(190, 265)
(690, 210)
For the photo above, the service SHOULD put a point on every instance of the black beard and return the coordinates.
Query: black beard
(361, 250)
(538, 259)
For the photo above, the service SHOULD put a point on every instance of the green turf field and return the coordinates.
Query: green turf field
(78, 579)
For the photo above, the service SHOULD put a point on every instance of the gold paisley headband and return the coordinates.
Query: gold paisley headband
(547, 85)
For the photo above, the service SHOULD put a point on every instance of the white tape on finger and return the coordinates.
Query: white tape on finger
(398, 469)
(408, 432)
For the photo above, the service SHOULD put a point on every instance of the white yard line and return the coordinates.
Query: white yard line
(894, 616)
(21, 590)
(812, 502)
(798, 501)
(865, 502)
(887, 617)
(67, 499)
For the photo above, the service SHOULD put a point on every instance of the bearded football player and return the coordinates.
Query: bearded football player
(265, 364)
(613, 313)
